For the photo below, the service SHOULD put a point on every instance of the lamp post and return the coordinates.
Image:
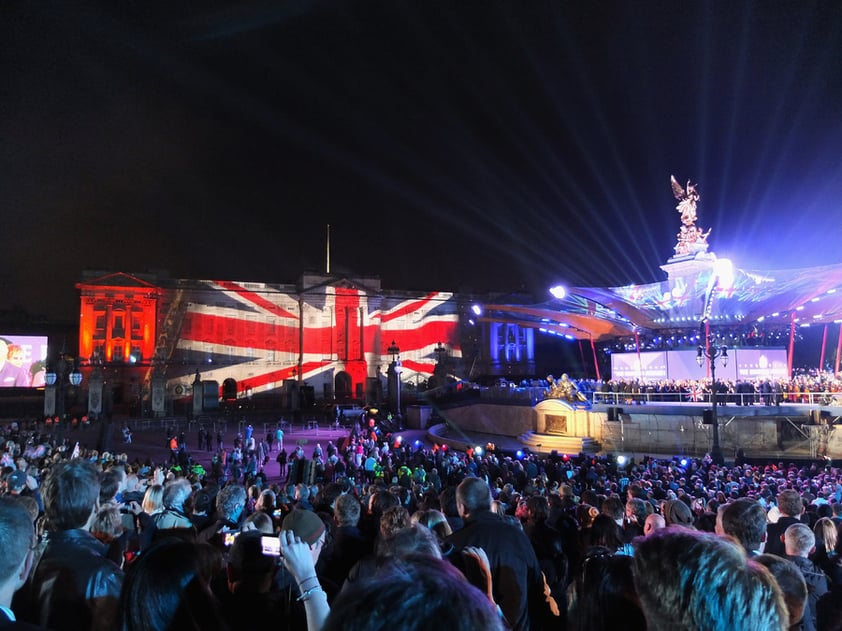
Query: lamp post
(65, 373)
(395, 352)
(711, 353)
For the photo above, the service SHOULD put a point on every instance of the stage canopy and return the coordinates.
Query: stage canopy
(809, 296)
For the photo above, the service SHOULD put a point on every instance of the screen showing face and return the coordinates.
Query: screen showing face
(23, 361)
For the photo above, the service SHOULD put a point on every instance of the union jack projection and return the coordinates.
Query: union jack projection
(334, 332)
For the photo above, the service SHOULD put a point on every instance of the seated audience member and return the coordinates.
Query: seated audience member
(799, 542)
(17, 534)
(166, 589)
(792, 584)
(744, 520)
(73, 586)
(688, 580)
(603, 596)
(414, 594)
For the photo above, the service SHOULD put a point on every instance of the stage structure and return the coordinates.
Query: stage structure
(738, 305)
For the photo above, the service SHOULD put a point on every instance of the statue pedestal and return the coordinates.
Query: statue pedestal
(689, 265)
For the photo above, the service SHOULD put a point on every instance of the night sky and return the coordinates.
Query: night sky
(458, 145)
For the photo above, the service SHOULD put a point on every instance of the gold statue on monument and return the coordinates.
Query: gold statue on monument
(691, 239)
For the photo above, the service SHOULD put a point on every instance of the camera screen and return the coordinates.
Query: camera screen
(271, 546)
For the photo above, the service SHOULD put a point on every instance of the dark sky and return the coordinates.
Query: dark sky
(454, 145)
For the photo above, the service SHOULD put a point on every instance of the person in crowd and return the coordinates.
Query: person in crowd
(516, 573)
(689, 580)
(229, 515)
(167, 589)
(349, 545)
(678, 513)
(414, 594)
(790, 507)
(18, 536)
(73, 586)
(745, 520)
(653, 522)
(438, 525)
(174, 520)
(792, 584)
(799, 542)
(603, 596)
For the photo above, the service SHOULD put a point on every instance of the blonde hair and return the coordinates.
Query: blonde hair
(153, 500)
(825, 531)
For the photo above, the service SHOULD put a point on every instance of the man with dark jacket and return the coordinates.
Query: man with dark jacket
(790, 507)
(516, 574)
(73, 586)
(799, 542)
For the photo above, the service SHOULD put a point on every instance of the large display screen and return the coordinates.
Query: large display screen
(744, 363)
(23, 361)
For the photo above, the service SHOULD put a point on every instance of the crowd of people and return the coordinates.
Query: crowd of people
(390, 535)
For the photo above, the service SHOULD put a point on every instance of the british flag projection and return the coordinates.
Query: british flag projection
(328, 332)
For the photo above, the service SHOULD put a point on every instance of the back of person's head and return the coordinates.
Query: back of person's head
(473, 495)
(107, 524)
(605, 598)
(70, 493)
(790, 580)
(176, 494)
(247, 563)
(689, 580)
(836, 508)
(413, 540)
(827, 533)
(230, 503)
(605, 532)
(413, 594)
(17, 533)
(745, 520)
(434, 520)
(347, 510)
(153, 499)
(260, 522)
(637, 507)
(392, 520)
(790, 503)
(677, 513)
(447, 501)
(613, 507)
(266, 501)
(537, 509)
(109, 484)
(381, 501)
(799, 540)
(165, 589)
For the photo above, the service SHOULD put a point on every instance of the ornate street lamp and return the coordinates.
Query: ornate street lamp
(711, 353)
(65, 373)
(395, 351)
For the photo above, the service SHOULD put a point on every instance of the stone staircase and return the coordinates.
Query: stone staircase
(545, 443)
